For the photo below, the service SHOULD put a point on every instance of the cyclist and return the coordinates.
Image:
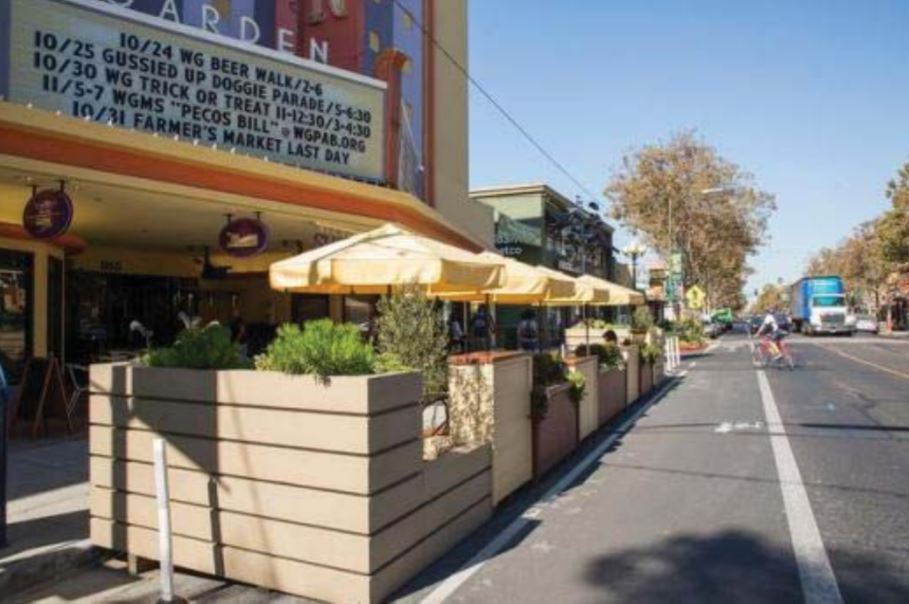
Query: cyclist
(771, 330)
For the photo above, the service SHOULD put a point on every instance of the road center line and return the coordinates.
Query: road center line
(447, 587)
(816, 575)
(905, 376)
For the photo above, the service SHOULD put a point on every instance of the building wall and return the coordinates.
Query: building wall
(449, 178)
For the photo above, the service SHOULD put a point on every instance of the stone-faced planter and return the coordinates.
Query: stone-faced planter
(487, 403)
(646, 377)
(311, 488)
(588, 408)
(632, 358)
(555, 436)
(611, 390)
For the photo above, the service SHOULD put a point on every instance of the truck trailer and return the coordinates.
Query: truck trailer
(818, 305)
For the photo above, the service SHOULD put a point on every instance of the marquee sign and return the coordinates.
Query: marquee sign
(98, 62)
(48, 213)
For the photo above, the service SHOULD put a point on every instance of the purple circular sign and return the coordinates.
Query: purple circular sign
(48, 214)
(244, 237)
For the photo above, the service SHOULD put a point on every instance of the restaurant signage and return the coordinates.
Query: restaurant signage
(123, 68)
(48, 213)
(243, 237)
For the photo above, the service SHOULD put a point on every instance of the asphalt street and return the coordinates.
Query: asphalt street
(720, 492)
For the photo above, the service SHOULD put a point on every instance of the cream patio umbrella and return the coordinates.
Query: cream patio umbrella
(375, 261)
(618, 295)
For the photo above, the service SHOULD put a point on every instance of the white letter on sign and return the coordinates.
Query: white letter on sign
(249, 30)
(169, 11)
(210, 18)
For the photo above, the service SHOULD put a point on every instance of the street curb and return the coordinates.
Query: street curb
(47, 565)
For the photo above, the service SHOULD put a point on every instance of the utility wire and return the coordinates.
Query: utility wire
(488, 96)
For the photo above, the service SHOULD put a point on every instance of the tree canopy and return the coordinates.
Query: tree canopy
(718, 215)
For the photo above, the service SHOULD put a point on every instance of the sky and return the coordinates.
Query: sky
(812, 97)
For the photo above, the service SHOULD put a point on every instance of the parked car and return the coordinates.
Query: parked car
(713, 329)
(866, 323)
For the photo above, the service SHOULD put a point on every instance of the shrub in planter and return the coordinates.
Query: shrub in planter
(691, 331)
(609, 354)
(199, 348)
(322, 348)
(578, 386)
(548, 370)
(650, 353)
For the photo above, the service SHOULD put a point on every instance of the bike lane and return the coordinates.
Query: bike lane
(848, 425)
(686, 505)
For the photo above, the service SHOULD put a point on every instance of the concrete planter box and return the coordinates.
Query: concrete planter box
(611, 394)
(659, 373)
(646, 374)
(632, 374)
(588, 408)
(488, 396)
(313, 489)
(556, 435)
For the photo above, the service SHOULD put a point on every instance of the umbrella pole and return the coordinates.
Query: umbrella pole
(586, 329)
(488, 325)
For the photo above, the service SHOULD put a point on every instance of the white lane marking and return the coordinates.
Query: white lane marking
(447, 587)
(816, 575)
(727, 427)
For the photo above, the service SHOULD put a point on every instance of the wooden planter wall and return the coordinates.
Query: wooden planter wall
(588, 409)
(284, 482)
(632, 373)
(556, 435)
(489, 401)
(612, 398)
(646, 376)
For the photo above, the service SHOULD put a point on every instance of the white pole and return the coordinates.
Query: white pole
(165, 541)
(678, 353)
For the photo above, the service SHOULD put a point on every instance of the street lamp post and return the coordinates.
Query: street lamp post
(634, 251)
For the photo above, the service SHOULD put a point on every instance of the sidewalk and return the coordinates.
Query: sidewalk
(47, 511)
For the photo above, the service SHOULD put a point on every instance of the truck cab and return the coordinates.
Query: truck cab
(818, 305)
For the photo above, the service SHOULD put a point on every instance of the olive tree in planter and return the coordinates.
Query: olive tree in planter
(641, 322)
(611, 382)
(304, 476)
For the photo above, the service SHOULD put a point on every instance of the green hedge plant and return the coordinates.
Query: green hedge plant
(321, 348)
(199, 348)
(609, 354)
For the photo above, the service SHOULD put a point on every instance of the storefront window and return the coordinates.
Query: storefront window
(16, 296)
(309, 307)
(360, 311)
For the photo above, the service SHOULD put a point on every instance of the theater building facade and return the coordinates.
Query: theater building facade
(157, 155)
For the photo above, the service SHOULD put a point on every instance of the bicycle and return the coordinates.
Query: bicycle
(763, 356)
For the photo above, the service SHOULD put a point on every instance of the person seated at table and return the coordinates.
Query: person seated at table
(528, 334)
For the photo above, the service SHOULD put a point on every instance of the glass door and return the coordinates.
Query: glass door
(16, 300)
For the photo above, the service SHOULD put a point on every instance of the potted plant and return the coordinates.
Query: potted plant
(641, 322)
(553, 411)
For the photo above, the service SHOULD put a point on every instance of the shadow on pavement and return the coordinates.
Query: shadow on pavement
(731, 566)
(40, 532)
